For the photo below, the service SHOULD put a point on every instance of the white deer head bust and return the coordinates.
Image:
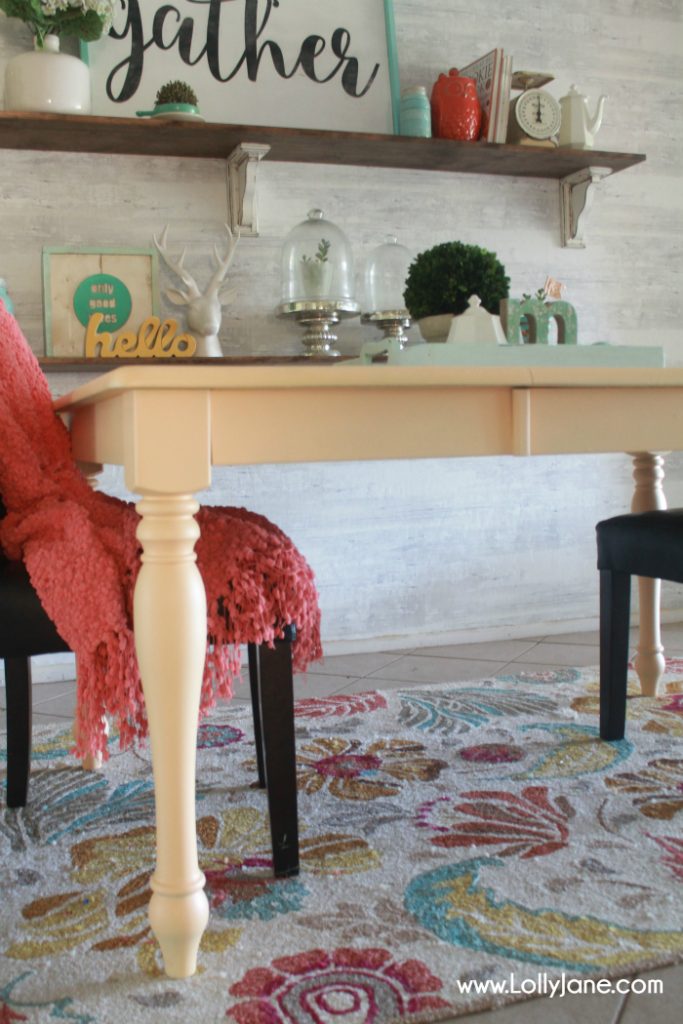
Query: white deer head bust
(203, 309)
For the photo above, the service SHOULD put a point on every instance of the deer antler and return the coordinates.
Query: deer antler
(222, 262)
(177, 267)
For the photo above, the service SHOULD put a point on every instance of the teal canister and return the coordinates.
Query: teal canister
(4, 295)
(416, 114)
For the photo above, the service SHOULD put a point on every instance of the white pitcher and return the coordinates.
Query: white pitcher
(578, 128)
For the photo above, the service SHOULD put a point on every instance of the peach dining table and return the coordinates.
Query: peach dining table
(169, 424)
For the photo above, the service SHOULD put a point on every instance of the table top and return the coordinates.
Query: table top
(216, 378)
(168, 425)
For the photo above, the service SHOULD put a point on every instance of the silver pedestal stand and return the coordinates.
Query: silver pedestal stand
(392, 322)
(318, 316)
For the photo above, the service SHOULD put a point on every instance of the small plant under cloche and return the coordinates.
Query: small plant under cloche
(441, 280)
(321, 252)
(176, 92)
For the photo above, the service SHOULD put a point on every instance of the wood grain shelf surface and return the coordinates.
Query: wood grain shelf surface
(149, 137)
(74, 364)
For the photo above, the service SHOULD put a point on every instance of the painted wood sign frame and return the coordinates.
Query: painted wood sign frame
(121, 284)
(331, 64)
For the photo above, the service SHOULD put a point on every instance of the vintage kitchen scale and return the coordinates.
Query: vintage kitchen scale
(535, 114)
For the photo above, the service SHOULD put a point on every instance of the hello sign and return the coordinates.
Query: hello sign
(288, 63)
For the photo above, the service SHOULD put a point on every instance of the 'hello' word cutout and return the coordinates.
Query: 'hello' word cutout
(155, 338)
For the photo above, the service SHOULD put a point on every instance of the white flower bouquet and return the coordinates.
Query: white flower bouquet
(85, 19)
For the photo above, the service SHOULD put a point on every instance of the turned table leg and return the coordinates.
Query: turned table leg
(170, 639)
(648, 474)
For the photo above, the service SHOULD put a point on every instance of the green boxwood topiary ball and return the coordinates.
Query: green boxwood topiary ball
(441, 280)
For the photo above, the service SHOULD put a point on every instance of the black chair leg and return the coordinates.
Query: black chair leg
(18, 697)
(254, 686)
(615, 604)
(275, 704)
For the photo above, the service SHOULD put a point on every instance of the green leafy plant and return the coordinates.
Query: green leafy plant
(84, 19)
(176, 92)
(441, 280)
(321, 254)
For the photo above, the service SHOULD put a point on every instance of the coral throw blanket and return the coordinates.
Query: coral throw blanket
(80, 550)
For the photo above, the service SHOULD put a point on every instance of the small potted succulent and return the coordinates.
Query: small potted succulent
(442, 279)
(176, 101)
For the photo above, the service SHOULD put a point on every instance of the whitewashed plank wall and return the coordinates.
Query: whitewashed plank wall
(420, 552)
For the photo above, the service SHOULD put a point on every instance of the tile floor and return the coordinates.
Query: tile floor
(354, 673)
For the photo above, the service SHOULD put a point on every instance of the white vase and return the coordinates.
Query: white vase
(46, 80)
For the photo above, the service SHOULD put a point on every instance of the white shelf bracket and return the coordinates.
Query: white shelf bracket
(242, 167)
(577, 192)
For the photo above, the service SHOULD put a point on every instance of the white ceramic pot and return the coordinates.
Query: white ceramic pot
(46, 80)
(435, 328)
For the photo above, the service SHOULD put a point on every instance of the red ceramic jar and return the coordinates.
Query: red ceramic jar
(456, 111)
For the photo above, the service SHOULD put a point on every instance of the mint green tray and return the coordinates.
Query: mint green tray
(450, 354)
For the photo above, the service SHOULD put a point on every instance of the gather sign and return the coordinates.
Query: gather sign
(291, 63)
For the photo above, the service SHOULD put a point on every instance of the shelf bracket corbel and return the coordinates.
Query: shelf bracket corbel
(577, 192)
(242, 166)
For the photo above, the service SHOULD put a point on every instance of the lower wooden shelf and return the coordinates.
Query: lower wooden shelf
(70, 364)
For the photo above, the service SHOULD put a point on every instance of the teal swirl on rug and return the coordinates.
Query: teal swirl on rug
(448, 833)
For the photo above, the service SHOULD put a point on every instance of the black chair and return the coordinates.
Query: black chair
(26, 630)
(637, 544)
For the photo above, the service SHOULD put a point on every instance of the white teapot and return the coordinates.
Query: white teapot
(476, 326)
(578, 128)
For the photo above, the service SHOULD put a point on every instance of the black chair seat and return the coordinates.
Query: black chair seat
(646, 544)
(643, 544)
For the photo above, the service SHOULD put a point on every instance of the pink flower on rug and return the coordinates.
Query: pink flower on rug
(675, 704)
(674, 847)
(352, 770)
(341, 705)
(492, 753)
(366, 986)
(526, 824)
(7, 1014)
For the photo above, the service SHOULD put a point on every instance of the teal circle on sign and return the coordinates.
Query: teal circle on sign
(105, 294)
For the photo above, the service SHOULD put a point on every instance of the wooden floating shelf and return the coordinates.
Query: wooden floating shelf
(244, 146)
(149, 137)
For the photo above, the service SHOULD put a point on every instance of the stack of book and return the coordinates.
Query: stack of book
(493, 75)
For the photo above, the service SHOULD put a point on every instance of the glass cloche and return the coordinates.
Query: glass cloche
(317, 264)
(385, 277)
(317, 282)
(386, 271)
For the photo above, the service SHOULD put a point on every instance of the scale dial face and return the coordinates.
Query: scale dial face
(538, 114)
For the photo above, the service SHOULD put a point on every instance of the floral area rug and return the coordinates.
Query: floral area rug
(451, 837)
